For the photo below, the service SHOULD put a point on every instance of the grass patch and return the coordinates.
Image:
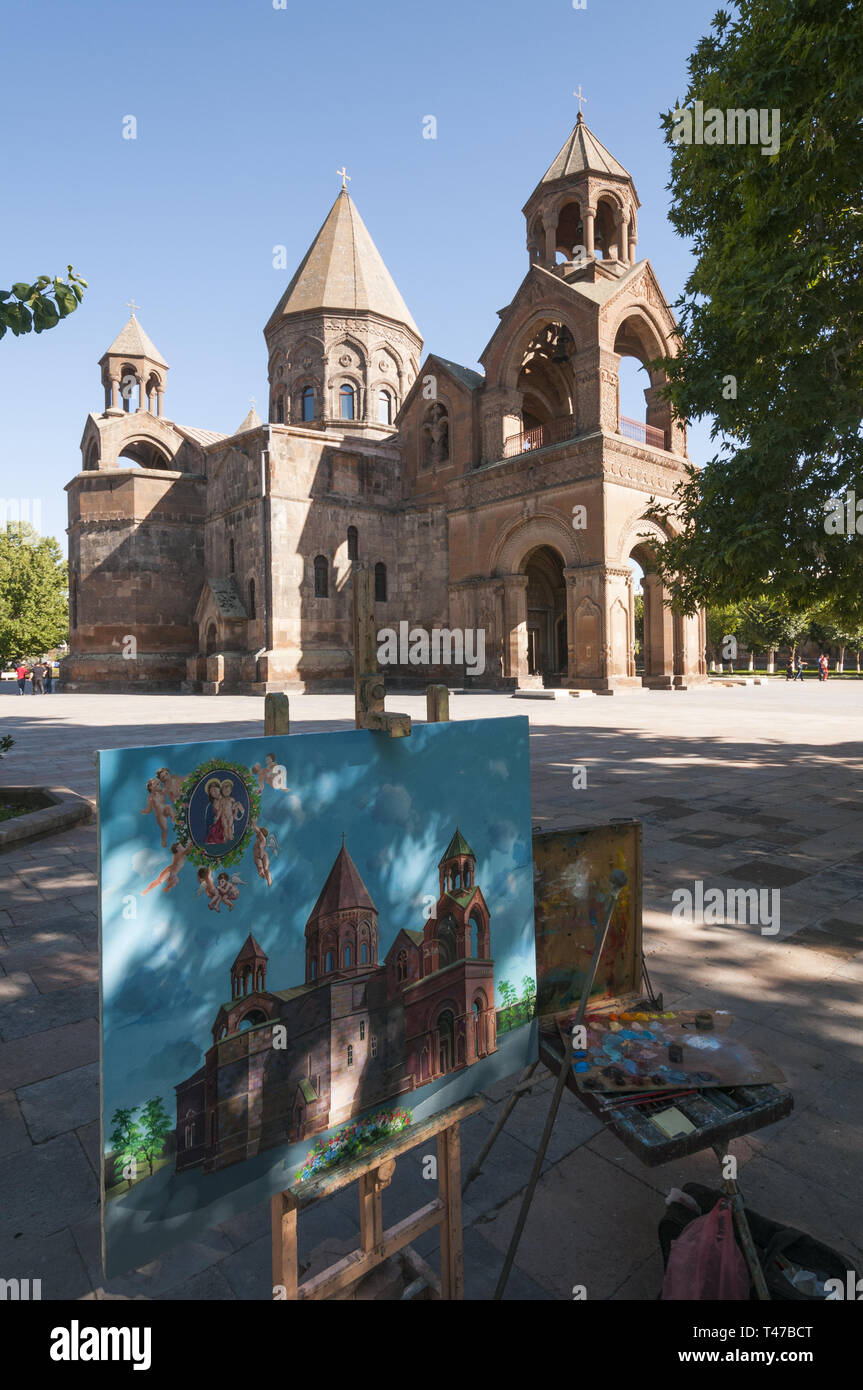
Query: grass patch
(9, 810)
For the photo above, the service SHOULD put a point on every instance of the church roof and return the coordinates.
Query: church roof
(458, 845)
(343, 270)
(251, 422)
(132, 341)
(251, 951)
(472, 380)
(343, 888)
(581, 154)
(200, 436)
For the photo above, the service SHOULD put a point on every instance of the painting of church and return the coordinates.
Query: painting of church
(357, 1032)
(512, 500)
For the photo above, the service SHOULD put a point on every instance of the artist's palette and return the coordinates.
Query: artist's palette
(651, 1051)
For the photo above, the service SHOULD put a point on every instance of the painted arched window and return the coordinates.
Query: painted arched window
(348, 956)
(350, 1055)
(380, 582)
(314, 969)
(347, 402)
(362, 1030)
(328, 963)
(364, 954)
(231, 557)
(322, 577)
(402, 966)
(385, 408)
(252, 609)
(353, 543)
(309, 403)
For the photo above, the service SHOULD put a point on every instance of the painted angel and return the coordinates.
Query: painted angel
(158, 805)
(228, 889)
(169, 876)
(273, 774)
(265, 841)
(207, 885)
(171, 783)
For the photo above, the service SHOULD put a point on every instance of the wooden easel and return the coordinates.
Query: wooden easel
(374, 1170)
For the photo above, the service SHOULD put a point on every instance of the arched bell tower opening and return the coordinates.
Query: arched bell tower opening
(546, 616)
(637, 340)
(545, 378)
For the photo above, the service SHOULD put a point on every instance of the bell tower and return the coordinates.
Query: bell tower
(133, 372)
(584, 208)
(342, 930)
(249, 970)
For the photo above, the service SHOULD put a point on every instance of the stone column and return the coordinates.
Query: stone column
(632, 245)
(623, 239)
(142, 395)
(515, 626)
(115, 392)
(589, 232)
(550, 242)
(159, 397)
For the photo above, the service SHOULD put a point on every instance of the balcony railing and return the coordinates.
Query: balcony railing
(555, 432)
(641, 433)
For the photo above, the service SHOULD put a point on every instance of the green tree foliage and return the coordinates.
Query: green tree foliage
(126, 1140)
(155, 1125)
(775, 300)
(40, 305)
(639, 624)
(722, 622)
(34, 614)
(528, 994)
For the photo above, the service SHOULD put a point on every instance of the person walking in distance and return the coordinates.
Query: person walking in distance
(823, 666)
(49, 678)
(800, 664)
(21, 677)
(37, 676)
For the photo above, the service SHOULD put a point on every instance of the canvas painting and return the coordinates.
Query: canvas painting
(302, 938)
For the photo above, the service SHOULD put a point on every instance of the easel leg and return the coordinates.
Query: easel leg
(537, 1167)
(518, 1091)
(449, 1190)
(284, 1219)
(371, 1212)
(750, 1252)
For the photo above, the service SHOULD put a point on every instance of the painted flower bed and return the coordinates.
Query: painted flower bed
(351, 1141)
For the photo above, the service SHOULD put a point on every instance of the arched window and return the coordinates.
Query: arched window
(314, 969)
(322, 577)
(309, 403)
(353, 543)
(385, 408)
(362, 1030)
(280, 410)
(252, 610)
(380, 582)
(402, 966)
(373, 1045)
(350, 1055)
(231, 557)
(347, 402)
(364, 954)
(347, 955)
(328, 963)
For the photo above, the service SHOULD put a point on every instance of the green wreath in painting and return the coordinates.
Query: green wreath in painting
(215, 809)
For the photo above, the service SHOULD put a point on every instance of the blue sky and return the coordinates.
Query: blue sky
(244, 114)
(166, 969)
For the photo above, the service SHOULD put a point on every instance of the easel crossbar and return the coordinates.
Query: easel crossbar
(358, 1263)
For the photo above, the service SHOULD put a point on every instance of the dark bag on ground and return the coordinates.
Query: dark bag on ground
(795, 1265)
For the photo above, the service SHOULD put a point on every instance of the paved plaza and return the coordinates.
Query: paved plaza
(750, 786)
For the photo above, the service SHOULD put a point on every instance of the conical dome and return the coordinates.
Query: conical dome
(343, 271)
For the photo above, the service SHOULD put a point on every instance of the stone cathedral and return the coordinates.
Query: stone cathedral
(509, 501)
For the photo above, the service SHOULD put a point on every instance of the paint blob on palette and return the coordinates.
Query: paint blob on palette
(635, 1050)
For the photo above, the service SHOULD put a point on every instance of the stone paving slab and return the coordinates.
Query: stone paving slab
(722, 783)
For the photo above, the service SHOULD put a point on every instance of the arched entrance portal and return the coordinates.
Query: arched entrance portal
(546, 616)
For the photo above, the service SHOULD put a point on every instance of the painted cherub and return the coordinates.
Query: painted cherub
(171, 783)
(170, 875)
(157, 803)
(264, 841)
(230, 811)
(207, 885)
(228, 889)
(273, 775)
